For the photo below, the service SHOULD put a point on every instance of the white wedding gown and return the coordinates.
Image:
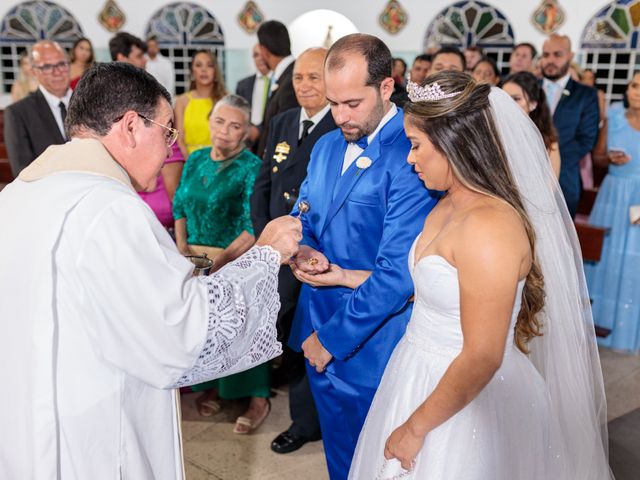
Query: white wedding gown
(503, 434)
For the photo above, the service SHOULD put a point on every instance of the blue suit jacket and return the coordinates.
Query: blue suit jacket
(576, 119)
(366, 219)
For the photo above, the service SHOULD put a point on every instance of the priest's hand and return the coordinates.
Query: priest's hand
(315, 353)
(283, 235)
(311, 261)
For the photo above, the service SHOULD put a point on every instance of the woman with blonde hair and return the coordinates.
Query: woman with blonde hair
(498, 375)
(192, 109)
(26, 82)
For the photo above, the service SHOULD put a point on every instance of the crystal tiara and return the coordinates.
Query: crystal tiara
(428, 93)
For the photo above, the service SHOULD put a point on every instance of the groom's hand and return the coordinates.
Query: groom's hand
(315, 353)
(309, 260)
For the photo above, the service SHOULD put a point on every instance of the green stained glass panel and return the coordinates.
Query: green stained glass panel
(485, 19)
(456, 20)
(171, 20)
(197, 18)
(54, 18)
(619, 16)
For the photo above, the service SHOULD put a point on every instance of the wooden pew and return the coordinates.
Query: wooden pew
(591, 241)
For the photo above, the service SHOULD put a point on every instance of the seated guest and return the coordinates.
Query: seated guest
(614, 282)
(486, 71)
(194, 107)
(522, 58)
(472, 55)
(447, 59)
(81, 58)
(212, 216)
(128, 48)
(37, 121)
(26, 81)
(292, 135)
(160, 196)
(526, 91)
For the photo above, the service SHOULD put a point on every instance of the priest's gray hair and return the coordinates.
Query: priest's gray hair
(234, 101)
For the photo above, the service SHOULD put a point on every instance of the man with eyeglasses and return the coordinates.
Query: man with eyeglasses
(102, 319)
(37, 121)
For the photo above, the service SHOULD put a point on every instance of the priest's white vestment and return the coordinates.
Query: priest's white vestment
(101, 319)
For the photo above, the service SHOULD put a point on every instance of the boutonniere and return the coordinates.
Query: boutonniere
(566, 92)
(363, 163)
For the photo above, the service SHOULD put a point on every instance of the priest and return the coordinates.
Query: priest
(101, 319)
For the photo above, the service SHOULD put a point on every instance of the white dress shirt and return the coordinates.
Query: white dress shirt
(354, 151)
(557, 88)
(259, 98)
(54, 105)
(162, 69)
(317, 118)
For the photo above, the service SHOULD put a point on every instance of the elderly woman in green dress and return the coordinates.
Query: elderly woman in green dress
(212, 216)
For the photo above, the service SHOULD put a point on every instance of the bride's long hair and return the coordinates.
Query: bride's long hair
(462, 128)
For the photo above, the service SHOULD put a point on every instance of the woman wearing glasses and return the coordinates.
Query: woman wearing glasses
(212, 215)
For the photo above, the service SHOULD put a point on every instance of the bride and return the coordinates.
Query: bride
(497, 376)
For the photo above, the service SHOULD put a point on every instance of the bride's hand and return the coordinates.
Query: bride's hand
(404, 445)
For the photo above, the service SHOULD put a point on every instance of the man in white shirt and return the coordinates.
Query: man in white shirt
(160, 67)
(102, 319)
(37, 121)
(255, 90)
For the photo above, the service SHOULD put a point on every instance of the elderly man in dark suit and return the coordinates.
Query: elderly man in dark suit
(37, 121)
(292, 135)
(275, 47)
(575, 114)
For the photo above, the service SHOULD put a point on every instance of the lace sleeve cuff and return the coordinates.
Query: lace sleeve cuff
(243, 307)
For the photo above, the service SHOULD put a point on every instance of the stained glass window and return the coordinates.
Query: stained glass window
(609, 46)
(472, 23)
(28, 23)
(182, 29)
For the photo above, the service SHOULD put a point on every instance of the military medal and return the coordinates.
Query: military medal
(282, 151)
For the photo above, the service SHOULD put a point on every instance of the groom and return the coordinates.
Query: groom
(366, 208)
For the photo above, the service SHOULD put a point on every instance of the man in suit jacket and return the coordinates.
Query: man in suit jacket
(367, 208)
(37, 121)
(275, 47)
(292, 135)
(255, 90)
(575, 115)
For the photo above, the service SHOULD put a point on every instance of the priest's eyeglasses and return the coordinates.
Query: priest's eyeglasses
(169, 138)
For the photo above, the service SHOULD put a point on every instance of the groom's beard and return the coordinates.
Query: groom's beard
(369, 125)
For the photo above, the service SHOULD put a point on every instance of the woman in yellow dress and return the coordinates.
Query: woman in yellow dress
(192, 109)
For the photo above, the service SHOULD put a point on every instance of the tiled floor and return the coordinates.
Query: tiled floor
(213, 452)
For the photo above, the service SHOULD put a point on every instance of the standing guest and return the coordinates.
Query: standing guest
(417, 74)
(486, 71)
(525, 89)
(128, 48)
(614, 282)
(212, 213)
(160, 66)
(599, 153)
(275, 48)
(292, 135)
(81, 58)
(119, 322)
(472, 55)
(37, 121)
(160, 194)
(522, 58)
(399, 71)
(26, 81)
(255, 90)
(447, 59)
(367, 206)
(575, 114)
(194, 107)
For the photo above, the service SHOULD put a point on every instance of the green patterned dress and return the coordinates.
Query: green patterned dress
(213, 196)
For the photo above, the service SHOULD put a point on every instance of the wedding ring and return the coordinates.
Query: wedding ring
(312, 261)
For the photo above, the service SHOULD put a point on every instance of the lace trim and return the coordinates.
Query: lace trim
(243, 307)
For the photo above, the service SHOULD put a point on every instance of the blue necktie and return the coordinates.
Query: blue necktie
(362, 142)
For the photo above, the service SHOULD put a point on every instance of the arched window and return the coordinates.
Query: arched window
(182, 29)
(30, 22)
(473, 23)
(610, 46)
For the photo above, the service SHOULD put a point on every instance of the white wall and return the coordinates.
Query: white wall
(421, 13)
